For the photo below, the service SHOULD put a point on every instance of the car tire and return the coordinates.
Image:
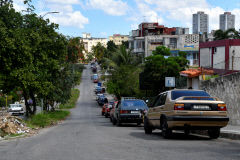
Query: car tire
(147, 128)
(102, 113)
(114, 121)
(214, 133)
(110, 119)
(139, 123)
(118, 122)
(106, 116)
(166, 132)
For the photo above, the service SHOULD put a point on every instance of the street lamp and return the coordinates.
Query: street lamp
(49, 13)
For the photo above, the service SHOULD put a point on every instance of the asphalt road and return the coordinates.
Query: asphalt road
(86, 135)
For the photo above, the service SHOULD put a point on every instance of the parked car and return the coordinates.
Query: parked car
(16, 109)
(186, 110)
(104, 107)
(129, 110)
(112, 111)
(95, 78)
(98, 95)
(102, 100)
(98, 90)
(109, 106)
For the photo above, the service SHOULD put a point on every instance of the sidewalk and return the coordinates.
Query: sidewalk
(231, 132)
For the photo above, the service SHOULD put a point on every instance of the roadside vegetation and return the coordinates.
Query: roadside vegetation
(72, 101)
(36, 60)
(133, 75)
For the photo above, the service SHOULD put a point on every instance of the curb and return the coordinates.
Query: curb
(230, 135)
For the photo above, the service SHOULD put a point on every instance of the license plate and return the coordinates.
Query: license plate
(201, 107)
(134, 111)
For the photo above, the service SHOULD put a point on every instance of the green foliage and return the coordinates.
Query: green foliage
(72, 101)
(75, 50)
(99, 51)
(228, 34)
(157, 67)
(162, 50)
(111, 46)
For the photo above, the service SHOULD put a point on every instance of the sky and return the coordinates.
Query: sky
(103, 18)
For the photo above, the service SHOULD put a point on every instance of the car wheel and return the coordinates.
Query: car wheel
(214, 133)
(102, 113)
(110, 119)
(147, 128)
(118, 122)
(186, 132)
(166, 132)
(139, 123)
(106, 116)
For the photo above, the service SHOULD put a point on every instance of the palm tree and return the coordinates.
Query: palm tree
(228, 34)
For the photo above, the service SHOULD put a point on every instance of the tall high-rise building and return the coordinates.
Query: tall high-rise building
(227, 21)
(200, 23)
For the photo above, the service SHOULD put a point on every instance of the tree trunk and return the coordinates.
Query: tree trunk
(28, 109)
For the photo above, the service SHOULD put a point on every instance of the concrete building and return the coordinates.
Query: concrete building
(200, 23)
(145, 40)
(89, 42)
(118, 39)
(220, 55)
(227, 21)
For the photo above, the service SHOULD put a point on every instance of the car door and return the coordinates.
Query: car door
(153, 114)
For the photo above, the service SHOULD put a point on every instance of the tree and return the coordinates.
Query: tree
(157, 67)
(228, 34)
(99, 51)
(75, 50)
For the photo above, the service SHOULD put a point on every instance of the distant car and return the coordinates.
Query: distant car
(102, 100)
(98, 95)
(16, 109)
(129, 110)
(95, 78)
(94, 69)
(109, 106)
(186, 110)
(98, 90)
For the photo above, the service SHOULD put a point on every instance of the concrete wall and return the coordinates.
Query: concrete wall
(219, 58)
(205, 57)
(227, 88)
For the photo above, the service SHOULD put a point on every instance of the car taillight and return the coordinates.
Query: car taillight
(178, 106)
(123, 111)
(222, 107)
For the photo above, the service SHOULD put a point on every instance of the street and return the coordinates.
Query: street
(86, 135)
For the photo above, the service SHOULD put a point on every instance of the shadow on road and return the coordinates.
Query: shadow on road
(175, 136)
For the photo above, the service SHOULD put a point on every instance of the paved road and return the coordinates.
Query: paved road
(86, 135)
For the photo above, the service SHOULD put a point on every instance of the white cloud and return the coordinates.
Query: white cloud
(19, 5)
(111, 7)
(67, 15)
(64, 1)
(72, 19)
(181, 11)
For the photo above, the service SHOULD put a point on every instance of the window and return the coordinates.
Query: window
(182, 93)
(160, 100)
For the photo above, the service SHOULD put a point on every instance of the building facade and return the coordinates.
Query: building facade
(118, 39)
(200, 23)
(221, 55)
(227, 21)
(89, 42)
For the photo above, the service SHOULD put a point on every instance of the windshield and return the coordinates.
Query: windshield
(134, 103)
(15, 105)
(177, 94)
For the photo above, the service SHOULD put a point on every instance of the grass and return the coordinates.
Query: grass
(47, 119)
(50, 118)
(72, 101)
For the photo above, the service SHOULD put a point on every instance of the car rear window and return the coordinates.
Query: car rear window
(134, 103)
(177, 94)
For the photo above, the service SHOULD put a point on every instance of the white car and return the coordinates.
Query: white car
(16, 109)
